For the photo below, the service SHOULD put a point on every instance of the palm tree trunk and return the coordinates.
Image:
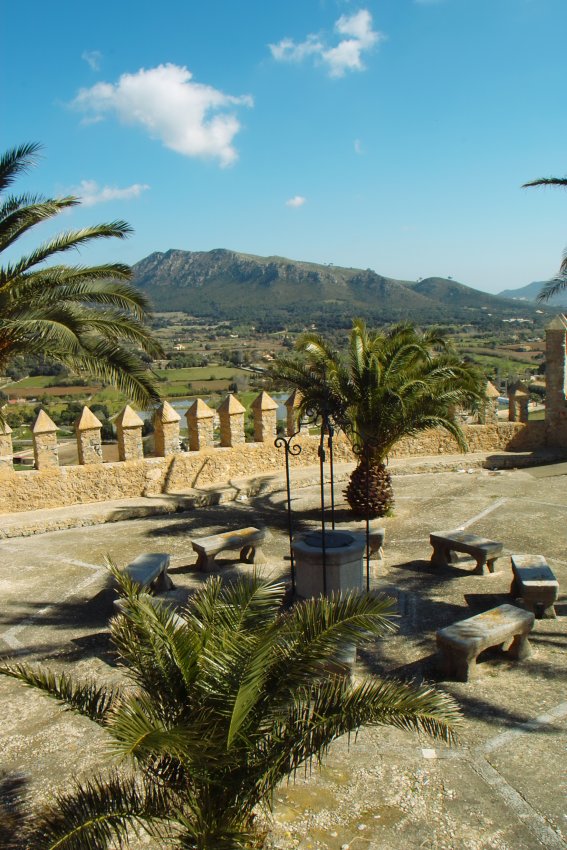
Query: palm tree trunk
(369, 491)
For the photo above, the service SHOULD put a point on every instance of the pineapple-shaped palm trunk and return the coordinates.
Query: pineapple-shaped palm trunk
(369, 491)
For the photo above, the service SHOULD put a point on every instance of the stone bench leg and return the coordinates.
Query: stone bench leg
(252, 555)
(520, 648)
(491, 564)
(481, 568)
(205, 563)
(541, 609)
(441, 556)
(457, 665)
(163, 582)
(484, 565)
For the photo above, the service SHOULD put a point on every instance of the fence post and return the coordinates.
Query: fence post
(489, 412)
(200, 419)
(522, 400)
(6, 450)
(166, 434)
(129, 435)
(231, 416)
(264, 409)
(89, 444)
(44, 435)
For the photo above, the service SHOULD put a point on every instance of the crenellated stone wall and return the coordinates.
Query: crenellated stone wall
(58, 486)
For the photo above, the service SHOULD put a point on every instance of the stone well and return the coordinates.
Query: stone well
(344, 569)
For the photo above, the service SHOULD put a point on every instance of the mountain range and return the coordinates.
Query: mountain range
(531, 291)
(274, 292)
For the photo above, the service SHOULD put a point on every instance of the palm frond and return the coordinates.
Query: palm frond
(87, 698)
(546, 181)
(556, 286)
(92, 284)
(17, 161)
(114, 364)
(140, 730)
(18, 215)
(65, 242)
(315, 633)
(99, 813)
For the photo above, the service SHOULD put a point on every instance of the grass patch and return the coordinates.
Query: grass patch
(201, 373)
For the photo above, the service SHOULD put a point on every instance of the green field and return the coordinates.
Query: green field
(201, 373)
(506, 365)
(35, 381)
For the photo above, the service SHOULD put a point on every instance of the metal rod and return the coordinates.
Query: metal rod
(332, 470)
(322, 488)
(367, 461)
(289, 519)
(289, 450)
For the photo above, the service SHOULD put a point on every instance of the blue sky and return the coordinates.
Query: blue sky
(393, 135)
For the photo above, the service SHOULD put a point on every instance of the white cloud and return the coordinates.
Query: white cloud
(355, 37)
(288, 51)
(296, 201)
(358, 147)
(92, 58)
(91, 193)
(188, 117)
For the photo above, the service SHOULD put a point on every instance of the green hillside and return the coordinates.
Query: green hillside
(273, 291)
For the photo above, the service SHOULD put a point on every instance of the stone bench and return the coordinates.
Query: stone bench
(459, 645)
(121, 606)
(376, 535)
(150, 571)
(484, 551)
(535, 583)
(245, 539)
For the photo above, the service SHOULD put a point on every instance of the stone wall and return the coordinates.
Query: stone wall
(502, 436)
(71, 485)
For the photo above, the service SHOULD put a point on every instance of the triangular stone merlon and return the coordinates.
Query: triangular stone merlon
(230, 405)
(128, 418)
(87, 421)
(200, 410)
(43, 424)
(264, 402)
(166, 414)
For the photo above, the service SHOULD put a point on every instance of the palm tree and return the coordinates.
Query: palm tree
(559, 283)
(88, 318)
(389, 385)
(220, 704)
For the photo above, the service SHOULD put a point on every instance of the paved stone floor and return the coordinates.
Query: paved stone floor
(504, 784)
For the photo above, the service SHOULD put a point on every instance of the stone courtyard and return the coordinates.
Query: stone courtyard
(503, 785)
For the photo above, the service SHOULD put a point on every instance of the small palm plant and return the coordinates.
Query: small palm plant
(87, 317)
(388, 385)
(220, 705)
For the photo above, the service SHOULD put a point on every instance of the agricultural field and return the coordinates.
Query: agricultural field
(207, 360)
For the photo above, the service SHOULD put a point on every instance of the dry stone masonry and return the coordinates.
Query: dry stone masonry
(89, 443)
(231, 417)
(556, 382)
(44, 433)
(264, 409)
(200, 425)
(6, 452)
(166, 433)
(129, 435)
